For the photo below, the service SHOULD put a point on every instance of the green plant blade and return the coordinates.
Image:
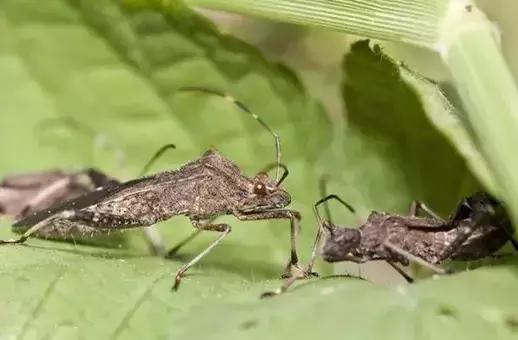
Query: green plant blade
(489, 93)
(415, 22)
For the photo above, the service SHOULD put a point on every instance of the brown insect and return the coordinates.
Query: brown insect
(201, 190)
(478, 227)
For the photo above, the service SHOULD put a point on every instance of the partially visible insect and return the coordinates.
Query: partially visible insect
(23, 194)
(202, 190)
(478, 228)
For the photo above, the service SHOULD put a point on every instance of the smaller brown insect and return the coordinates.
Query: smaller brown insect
(478, 227)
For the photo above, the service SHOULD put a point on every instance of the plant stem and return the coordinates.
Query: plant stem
(415, 22)
(489, 93)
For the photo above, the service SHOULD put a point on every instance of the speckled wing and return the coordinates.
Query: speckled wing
(90, 202)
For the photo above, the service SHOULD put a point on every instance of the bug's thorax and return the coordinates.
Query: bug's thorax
(221, 188)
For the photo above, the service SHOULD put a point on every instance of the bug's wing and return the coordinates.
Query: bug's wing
(81, 202)
(118, 192)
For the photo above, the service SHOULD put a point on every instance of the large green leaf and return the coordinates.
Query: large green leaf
(117, 70)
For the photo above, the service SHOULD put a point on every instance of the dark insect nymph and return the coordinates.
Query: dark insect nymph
(478, 227)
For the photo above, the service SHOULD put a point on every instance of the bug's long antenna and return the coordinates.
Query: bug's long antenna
(157, 154)
(244, 108)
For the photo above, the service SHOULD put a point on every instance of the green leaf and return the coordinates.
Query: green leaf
(390, 140)
(413, 21)
(117, 69)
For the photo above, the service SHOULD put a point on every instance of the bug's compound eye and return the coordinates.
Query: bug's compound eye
(260, 189)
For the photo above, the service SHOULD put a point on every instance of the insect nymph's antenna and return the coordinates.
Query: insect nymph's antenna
(244, 108)
(327, 223)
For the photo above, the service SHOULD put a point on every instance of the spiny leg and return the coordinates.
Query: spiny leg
(222, 228)
(414, 258)
(417, 206)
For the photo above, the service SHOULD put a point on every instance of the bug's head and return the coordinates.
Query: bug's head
(481, 207)
(339, 242)
(265, 193)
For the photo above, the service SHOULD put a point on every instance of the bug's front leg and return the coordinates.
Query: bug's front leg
(294, 216)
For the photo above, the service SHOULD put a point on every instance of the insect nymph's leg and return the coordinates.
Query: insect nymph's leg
(303, 273)
(417, 206)
(401, 272)
(414, 258)
(293, 216)
(38, 226)
(222, 228)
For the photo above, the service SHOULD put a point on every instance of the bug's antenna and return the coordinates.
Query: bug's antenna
(157, 154)
(244, 108)
(324, 224)
(285, 172)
